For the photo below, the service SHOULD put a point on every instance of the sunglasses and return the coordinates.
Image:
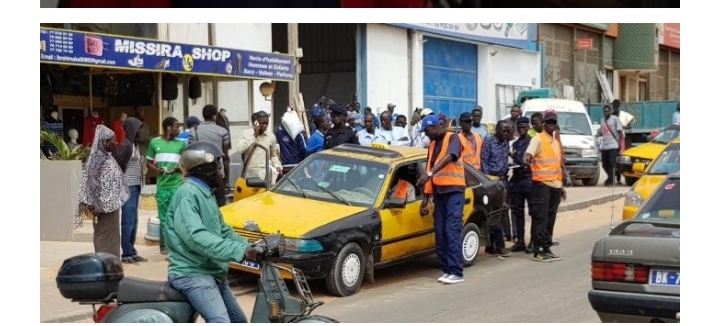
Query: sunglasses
(550, 122)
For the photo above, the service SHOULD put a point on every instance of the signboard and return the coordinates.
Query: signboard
(584, 44)
(669, 35)
(119, 52)
(600, 26)
(517, 35)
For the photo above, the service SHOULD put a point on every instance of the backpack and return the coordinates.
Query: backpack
(195, 89)
(169, 87)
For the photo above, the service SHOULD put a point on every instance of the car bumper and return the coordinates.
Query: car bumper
(626, 170)
(629, 212)
(621, 307)
(314, 266)
(580, 168)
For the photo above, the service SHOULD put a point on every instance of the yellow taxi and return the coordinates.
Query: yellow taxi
(668, 162)
(645, 153)
(342, 215)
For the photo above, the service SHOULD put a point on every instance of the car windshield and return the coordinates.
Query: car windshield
(664, 203)
(667, 135)
(572, 123)
(668, 161)
(335, 179)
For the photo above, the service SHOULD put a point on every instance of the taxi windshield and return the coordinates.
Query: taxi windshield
(664, 204)
(668, 162)
(335, 179)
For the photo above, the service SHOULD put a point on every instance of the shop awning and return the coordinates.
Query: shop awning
(67, 47)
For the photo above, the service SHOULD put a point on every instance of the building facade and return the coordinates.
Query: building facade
(450, 68)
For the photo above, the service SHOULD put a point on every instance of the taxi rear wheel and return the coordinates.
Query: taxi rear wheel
(347, 271)
(470, 244)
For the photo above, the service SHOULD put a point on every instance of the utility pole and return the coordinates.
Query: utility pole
(293, 44)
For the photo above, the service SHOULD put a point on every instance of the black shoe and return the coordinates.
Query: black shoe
(552, 255)
(542, 257)
(504, 252)
(490, 250)
(518, 246)
(508, 238)
(530, 249)
(607, 182)
(128, 260)
(139, 259)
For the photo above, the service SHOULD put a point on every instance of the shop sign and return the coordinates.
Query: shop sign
(669, 35)
(118, 52)
(584, 44)
(600, 26)
(509, 34)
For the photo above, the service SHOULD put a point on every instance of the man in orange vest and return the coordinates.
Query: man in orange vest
(445, 181)
(471, 142)
(403, 189)
(544, 155)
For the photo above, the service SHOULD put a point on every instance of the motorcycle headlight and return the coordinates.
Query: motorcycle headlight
(303, 245)
(633, 199)
(590, 152)
(624, 159)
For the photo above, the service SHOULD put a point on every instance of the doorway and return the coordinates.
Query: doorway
(72, 118)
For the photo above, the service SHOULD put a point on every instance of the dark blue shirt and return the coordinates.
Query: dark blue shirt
(292, 152)
(454, 149)
(521, 180)
(494, 157)
(315, 143)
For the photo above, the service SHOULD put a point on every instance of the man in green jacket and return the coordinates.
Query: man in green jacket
(199, 242)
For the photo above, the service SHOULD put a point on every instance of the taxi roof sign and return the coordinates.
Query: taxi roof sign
(379, 145)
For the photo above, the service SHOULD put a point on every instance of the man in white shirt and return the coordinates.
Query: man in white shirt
(419, 139)
(368, 135)
(392, 135)
(676, 115)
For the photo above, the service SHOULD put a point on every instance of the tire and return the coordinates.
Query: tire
(316, 319)
(347, 271)
(593, 181)
(470, 244)
(630, 181)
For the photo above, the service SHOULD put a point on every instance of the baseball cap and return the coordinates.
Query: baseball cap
(192, 121)
(391, 105)
(431, 120)
(426, 112)
(465, 116)
(524, 120)
(550, 115)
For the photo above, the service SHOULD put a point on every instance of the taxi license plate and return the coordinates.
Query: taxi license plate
(250, 264)
(664, 277)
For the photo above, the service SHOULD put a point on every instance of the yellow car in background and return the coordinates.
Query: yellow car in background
(645, 153)
(668, 162)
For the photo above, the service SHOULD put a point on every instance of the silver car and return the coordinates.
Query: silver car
(636, 268)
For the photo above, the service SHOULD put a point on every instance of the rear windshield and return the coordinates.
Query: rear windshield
(664, 203)
(668, 162)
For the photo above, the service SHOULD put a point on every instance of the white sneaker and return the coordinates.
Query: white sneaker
(443, 277)
(453, 279)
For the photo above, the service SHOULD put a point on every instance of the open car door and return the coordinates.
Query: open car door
(249, 186)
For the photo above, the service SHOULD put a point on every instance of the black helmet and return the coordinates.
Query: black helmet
(199, 153)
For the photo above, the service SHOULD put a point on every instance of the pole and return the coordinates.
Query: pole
(293, 42)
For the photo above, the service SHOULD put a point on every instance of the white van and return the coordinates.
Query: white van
(577, 136)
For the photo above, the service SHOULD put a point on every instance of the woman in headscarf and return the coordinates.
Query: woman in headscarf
(103, 192)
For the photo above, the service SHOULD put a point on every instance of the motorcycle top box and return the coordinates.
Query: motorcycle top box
(93, 276)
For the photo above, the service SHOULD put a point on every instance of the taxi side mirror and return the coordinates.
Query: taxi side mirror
(254, 182)
(638, 167)
(394, 203)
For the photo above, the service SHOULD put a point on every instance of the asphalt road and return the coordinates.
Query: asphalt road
(516, 290)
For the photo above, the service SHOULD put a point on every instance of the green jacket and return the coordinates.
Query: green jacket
(199, 241)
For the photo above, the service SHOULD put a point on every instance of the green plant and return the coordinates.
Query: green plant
(64, 153)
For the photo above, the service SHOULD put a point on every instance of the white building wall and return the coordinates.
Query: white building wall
(242, 97)
(387, 68)
(499, 65)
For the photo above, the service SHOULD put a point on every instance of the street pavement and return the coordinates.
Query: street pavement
(55, 308)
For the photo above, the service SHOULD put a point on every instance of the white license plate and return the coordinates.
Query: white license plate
(250, 264)
(664, 277)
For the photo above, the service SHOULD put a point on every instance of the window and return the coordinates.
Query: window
(470, 179)
(667, 162)
(408, 173)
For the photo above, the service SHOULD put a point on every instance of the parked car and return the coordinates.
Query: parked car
(636, 269)
(668, 162)
(341, 224)
(645, 153)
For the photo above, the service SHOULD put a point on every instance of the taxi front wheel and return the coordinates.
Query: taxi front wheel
(347, 271)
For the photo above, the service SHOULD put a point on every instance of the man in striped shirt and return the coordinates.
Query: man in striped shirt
(163, 157)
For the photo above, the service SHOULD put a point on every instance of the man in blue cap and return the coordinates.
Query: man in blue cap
(191, 122)
(339, 133)
(445, 181)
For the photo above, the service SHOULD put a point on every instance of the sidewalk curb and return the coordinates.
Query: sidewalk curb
(591, 202)
(89, 315)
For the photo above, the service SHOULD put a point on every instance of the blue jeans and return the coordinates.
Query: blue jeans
(447, 216)
(129, 223)
(213, 300)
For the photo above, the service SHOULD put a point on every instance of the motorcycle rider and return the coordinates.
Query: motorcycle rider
(199, 242)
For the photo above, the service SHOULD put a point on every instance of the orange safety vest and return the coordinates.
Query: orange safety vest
(401, 190)
(471, 155)
(547, 167)
(453, 174)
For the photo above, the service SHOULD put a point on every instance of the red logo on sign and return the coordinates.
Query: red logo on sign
(669, 186)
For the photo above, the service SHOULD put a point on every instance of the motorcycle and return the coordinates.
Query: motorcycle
(98, 279)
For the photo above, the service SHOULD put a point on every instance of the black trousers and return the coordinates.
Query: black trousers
(609, 162)
(544, 203)
(517, 208)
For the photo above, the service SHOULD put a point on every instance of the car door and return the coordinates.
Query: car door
(404, 230)
(246, 187)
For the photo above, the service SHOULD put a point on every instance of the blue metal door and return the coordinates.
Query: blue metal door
(450, 76)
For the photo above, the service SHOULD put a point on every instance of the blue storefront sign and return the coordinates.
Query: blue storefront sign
(515, 35)
(109, 51)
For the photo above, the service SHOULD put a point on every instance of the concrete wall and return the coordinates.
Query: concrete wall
(387, 68)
